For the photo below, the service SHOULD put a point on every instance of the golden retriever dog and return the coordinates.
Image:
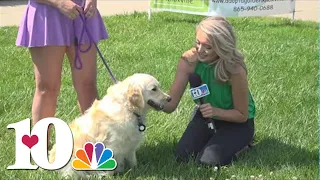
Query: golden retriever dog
(116, 121)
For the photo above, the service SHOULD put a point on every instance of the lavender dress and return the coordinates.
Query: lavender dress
(44, 25)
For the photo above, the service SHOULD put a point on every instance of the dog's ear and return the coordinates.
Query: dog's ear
(135, 96)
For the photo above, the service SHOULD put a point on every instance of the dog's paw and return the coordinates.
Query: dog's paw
(106, 174)
(133, 164)
(132, 160)
(120, 168)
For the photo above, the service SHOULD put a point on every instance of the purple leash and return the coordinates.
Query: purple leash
(77, 43)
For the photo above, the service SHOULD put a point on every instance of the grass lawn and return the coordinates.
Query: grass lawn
(282, 60)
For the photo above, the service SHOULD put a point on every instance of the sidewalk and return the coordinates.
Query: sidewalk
(11, 11)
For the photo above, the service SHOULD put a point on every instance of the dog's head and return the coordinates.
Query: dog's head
(140, 91)
(144, 92)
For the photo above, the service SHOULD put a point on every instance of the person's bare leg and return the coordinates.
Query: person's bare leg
(85, 79)
(47, 63)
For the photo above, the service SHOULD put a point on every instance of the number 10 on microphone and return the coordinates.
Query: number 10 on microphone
(199, 92)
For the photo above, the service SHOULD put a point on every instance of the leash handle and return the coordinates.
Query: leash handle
(78, 49)
(77, 55)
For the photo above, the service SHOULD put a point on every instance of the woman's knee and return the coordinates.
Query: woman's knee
(48, 88)
(212, 156)
(86, 86)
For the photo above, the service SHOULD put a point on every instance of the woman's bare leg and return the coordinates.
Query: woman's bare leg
(47, 63)
(85, 79)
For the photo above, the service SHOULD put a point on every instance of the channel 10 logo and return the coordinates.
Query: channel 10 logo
(199, 92)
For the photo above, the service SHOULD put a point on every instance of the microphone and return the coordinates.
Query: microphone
(198, 91)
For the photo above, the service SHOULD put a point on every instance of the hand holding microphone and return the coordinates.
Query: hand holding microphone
(198, 91)
(207, 110)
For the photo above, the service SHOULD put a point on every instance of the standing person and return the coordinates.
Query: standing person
(230, 104)
(50, 29)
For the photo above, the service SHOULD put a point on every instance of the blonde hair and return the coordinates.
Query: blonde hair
(222, 38)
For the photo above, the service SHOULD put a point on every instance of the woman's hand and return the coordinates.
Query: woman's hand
(90, 9)
(69, 8)
(191, 56)
(207, 110)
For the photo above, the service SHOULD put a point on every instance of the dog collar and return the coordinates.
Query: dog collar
(141, 126)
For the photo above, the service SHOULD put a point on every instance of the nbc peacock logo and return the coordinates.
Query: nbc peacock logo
(94, 157)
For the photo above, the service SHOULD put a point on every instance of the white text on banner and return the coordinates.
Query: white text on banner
(227, 8)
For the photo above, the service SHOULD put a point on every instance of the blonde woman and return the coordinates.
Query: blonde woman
(230, 104)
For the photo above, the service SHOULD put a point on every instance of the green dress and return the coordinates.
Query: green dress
(220, 94)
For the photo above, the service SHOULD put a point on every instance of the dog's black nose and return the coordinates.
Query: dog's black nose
(168, 98)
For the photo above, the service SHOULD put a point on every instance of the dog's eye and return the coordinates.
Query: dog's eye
(154, 89)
